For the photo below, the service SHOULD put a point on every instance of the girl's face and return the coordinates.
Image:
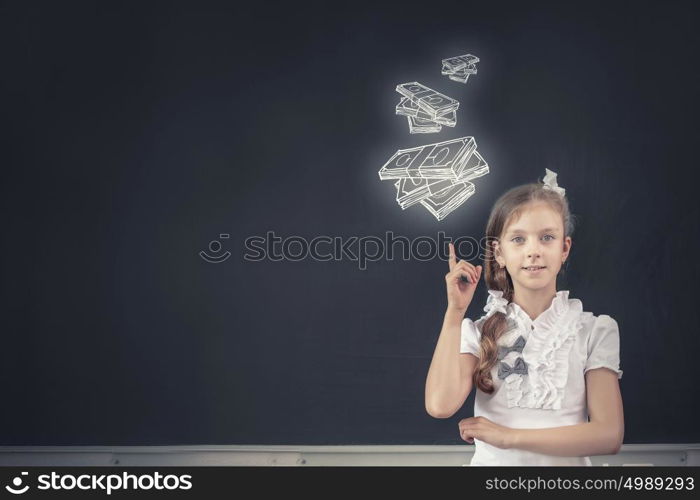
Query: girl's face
(536, 238)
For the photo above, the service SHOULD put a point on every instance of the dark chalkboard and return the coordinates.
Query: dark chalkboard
(139, 134)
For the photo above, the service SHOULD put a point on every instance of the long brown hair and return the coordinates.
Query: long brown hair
(506, 209)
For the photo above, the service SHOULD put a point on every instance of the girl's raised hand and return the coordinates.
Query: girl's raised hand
(460, 293)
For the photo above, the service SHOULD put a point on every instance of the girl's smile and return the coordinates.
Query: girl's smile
(536, 271)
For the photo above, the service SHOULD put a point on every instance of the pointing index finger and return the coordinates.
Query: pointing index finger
(453, 258)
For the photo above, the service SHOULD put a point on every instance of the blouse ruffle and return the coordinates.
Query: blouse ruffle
(547, 348)
(546, 351)
(495, 303)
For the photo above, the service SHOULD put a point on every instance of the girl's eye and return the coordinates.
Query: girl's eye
(520, 237)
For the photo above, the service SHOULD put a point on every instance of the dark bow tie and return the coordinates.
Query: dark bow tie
(518, 367)
(517, 347)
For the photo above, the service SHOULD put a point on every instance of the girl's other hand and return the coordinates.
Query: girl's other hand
(460, 293)
(485, 430)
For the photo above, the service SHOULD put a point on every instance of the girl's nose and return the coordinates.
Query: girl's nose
(535, 252)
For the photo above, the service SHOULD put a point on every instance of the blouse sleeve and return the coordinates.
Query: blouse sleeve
(604, 345)
(471, 337)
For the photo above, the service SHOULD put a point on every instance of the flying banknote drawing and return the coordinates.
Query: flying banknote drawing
(438, 175)
(427, 110)
(460, 67)
(435, 175)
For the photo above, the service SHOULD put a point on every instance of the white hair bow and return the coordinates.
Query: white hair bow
(550, 182)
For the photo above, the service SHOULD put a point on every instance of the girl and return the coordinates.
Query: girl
(545, 370)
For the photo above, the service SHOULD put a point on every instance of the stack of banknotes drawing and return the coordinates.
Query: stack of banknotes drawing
(460, 67)
(435, 175)
(426, 110)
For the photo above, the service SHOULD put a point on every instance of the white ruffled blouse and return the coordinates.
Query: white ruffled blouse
(539, 379)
